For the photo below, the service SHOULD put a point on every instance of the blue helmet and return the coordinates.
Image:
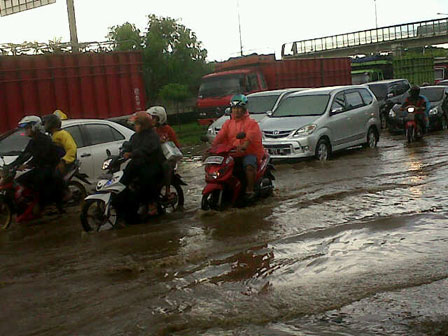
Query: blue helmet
(238, 100)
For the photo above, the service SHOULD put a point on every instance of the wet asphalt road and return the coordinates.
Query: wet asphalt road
(354, 246)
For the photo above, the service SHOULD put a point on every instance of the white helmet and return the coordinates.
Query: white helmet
(32, 121)
(158, 111)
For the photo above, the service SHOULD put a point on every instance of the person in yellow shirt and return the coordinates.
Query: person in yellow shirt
(64, 140)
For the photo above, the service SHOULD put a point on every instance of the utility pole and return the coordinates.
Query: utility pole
(72, 25)
(239, 26)
(376, 16)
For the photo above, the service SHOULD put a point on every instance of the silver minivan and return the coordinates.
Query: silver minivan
(259, 104)
(320, 121)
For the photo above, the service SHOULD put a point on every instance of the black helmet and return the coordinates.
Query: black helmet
(51, 122)
(414, 91)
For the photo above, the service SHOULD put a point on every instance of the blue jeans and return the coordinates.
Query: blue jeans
(250, 160)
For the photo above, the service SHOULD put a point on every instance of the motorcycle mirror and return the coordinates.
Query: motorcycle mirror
(108, 152)
(241, 135)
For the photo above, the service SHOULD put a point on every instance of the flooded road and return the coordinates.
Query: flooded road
(354, 246)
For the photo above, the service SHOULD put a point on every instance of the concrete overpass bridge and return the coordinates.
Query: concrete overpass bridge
(383, 39)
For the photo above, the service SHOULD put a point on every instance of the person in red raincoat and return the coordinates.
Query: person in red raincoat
(250, 148)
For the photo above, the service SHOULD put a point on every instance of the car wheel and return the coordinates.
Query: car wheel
(372, 138)
(323, 150)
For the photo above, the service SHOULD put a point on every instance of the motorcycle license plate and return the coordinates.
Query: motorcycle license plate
(214, 160)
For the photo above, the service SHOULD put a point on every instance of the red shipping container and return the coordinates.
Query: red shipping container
(91, 85)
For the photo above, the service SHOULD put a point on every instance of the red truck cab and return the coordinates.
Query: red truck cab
(217, 89)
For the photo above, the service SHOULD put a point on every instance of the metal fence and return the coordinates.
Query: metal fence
(414, 30)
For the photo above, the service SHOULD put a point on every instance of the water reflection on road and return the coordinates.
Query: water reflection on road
(354, 246)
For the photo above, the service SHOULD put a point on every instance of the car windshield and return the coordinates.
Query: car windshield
(303, 106)
(433, 94)
(379, 90)
(14, 143)
(221, 86)
(261, 104)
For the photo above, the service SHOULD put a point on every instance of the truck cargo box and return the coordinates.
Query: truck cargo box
(89, 85)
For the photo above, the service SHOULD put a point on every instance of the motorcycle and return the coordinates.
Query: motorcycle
(21, 201)
(412, 128)
(113, 200)
(226, 179)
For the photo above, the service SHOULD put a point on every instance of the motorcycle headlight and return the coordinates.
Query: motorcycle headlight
(392, 114)
(211, 131)
(434, 111)
(106, 164)
(304, 131)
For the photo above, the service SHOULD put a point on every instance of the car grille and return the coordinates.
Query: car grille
(278, 149)
(276, 134)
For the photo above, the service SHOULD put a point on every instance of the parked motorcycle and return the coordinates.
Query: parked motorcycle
(412, 128)
(226, 180)
(113, 200)
(21, 201)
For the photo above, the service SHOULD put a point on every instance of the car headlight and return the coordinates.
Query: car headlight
(106, 164)
(434, 110)
(392, 114)
(304, 131)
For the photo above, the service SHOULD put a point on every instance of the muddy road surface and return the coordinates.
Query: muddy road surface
(354, 246)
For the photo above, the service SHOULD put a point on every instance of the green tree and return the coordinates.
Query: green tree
(172, 53)
(175, 93)
(126, 37)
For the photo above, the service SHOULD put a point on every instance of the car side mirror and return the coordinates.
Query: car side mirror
(241, 135)
(337, 110)
(269, 113)
(228, 111)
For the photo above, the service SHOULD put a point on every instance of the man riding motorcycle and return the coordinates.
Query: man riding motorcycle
(249, 146)
(166, 133)
(44, 159)
(147, 160)
(415, 99)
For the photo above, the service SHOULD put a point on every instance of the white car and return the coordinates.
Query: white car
(259, 104)
(92, 136)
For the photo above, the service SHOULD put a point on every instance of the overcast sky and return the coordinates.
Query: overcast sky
(266, 25)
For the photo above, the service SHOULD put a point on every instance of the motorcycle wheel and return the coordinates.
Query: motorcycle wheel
(409, 134)
(5, 215)
(210, 201)
(175, 205)
(78, 192)
(93, 218)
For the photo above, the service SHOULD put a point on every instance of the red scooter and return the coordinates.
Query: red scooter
(226, 179)
(22, 201)
(412, 128)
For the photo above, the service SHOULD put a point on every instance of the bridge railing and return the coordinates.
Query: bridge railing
(413, 30)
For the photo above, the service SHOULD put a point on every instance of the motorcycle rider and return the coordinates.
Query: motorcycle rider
(64, 140)
(250, 147)
(147, 160)
(415, 99)
(44, 159)
(166, 133)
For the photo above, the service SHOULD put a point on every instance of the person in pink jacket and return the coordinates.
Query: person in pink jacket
(249, 146)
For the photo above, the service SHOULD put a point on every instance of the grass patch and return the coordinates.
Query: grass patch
(190, 134)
